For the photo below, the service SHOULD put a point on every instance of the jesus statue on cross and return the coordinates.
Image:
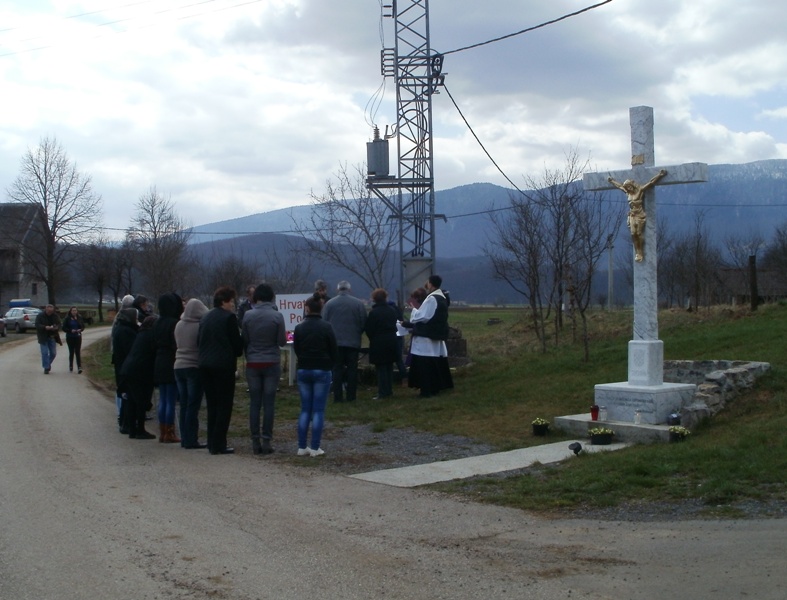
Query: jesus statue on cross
(637, 216)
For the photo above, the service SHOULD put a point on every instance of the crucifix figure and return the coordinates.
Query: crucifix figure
(637, 217)
(646, 351)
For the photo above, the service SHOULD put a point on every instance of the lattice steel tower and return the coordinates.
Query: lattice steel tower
(417, 73)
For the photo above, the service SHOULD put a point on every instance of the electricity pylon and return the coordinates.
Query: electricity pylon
(417, 72)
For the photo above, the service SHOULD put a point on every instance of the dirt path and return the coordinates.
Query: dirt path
(86, 512)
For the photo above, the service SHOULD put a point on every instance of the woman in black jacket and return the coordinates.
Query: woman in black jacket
(314, 343)
(170, 307)
(73, 326)
(220, 345)
(381, 331)
(124, 331)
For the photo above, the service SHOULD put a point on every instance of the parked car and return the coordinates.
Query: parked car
(21, 319)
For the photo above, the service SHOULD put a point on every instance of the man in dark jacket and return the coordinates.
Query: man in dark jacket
(383, 348)
(220, 345)
(47, 327)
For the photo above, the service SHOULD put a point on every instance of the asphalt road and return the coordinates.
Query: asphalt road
(88, 513)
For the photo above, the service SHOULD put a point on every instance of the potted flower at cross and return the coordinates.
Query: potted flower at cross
(677, 433)
(540, 426)
(600, 436)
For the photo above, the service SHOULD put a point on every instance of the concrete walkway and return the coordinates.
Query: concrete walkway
(462, 468)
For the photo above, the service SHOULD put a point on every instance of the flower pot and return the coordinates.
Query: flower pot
(601, 439)
(673, 419)
(676, 437)
(541, 430)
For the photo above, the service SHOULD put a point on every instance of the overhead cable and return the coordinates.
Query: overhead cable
(529, 29)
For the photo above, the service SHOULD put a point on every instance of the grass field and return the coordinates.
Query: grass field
(739, 455)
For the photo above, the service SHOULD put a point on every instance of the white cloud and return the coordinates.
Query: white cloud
(235, 107)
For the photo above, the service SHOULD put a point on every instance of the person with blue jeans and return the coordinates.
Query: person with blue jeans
(315, 347)
(187, 373)
(47, 327)
(264, 334)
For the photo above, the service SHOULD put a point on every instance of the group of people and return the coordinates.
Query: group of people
(385, 327)
(48, 327)
(328, 341)
(188, 351)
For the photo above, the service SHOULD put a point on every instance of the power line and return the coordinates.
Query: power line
(470, 129)
(86, 14)
(529, 29)
(129, 30)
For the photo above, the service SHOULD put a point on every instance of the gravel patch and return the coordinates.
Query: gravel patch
(352, 449)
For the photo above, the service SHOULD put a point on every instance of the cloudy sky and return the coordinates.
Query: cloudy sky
(236, 107)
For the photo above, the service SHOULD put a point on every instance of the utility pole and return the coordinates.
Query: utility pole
(417, 73)
(753, 291)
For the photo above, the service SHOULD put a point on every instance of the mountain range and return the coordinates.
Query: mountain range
(737, 199)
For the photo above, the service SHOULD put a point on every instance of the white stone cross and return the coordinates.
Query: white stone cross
(646, 351)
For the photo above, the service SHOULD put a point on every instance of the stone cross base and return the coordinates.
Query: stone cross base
(646, 362)
(654, 402)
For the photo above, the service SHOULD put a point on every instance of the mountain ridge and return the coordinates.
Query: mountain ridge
(737, 198)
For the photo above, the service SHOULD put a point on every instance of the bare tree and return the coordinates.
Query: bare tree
(742, 255)
(234, 270)
(694, 262)
(591, 223)
(741, 246)
(95, 267)
(517, 252)
(350, 228)
(281, 264)
(669, 268)
(287, 270)
(559, 196)
(121, 270)
(549, 243)
(70, 212)
(159, 239)
(775, 256)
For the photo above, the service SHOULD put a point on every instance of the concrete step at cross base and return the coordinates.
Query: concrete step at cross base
(578, 425)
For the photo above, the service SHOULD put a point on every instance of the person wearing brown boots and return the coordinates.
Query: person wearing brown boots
(170, 307)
